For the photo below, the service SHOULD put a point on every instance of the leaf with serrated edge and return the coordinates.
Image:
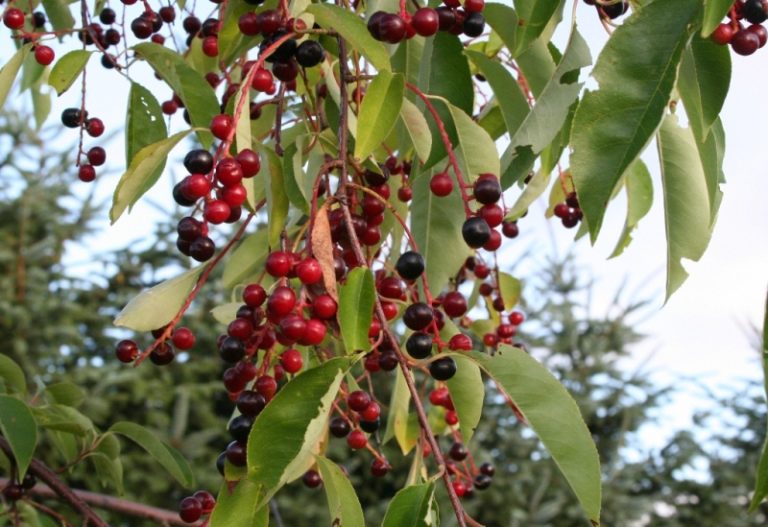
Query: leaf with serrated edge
(142, 174)
(546, 118)
(155, 307)
(686, 200)
(356, 299)
(67, 69)
(239, 506)
(418, 129)
(549, 409)
(281, 442)
(639, 188)
(378, 112)
(410, 507)
(163, 454)
(613, 124)
(343, 504)
(467, 393)
(19, 429)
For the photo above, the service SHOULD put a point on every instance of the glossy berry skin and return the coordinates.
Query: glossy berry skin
(126, 351)
(357, 440)
(207, 500)
(419, 345)
(97, 156)
(475, 232)
(460, 342)
(249, 161)
(392, 28)
(202, 249)
(291, 360)
(94, 127)
(240, 427)
(379, 468)
(745, 42)
(198, 161)
(442, 369)
(487, 190)
(474, 24)
(488, 469)
(454, 304)
(425, 21)
(250, 403)
(358, 400)
(339, 427)
(755, 11)
(324, 307)
(216, 211)
(190, 509)
(418, 316)
(441, 185)
(71, 117)
(370, 426)
(141, 28)
(44, 55)
(410, 265)
(183, 338)
(281, 301)
(311, 479)
(516, 318)
(249, 24)
(309, 271)
(482, 481)
(236, 454)
(13, 18)
(231, 350)
(266, 386)
(221, 126)
(162, 355)
(310, 53)
(761, 32)
(458, 452)
(254, 295)
(279, 264)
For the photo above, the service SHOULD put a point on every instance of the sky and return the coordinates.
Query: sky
(700, 334)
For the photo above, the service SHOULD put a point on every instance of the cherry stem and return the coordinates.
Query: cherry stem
(198, 286)
(447, 142)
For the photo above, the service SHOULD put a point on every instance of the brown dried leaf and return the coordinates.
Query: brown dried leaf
(322, 247)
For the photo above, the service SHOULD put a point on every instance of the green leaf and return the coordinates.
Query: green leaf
(410, 507)
(277, 200)
(243, 125)
(378, 112)
(19, 429)
(12, 375)
(686, 200)
(162, 453)
(705, 75)
(541, 126)
(537, 65)
(436, 228)
(712, 154)
(614, 124)
(506, 90)
(142, 174)
(41, 105)
(285, 434)
(144, 125)
(353, 29)
(510, 288)
(155, 307)
(714, 12)
(475, 150)
(343, 503)
(550, 410)
(63, 418)
(397, 418)
(66, 393)
(467, 392)
(198, 96)
(533, 16)
(298, 184)
(9, 71)
(246, 259)
(639, 200)
(109, 471)
(67, 69)
(417, 128)
(445, 73)
(59, 14)
(503, 20)
(356, 299)
(239, 506)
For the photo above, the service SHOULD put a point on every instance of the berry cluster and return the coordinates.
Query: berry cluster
(479, 230)
(426, 21)
(569, 211)
(744, 40)
(93, 126)
(15, 490)
(194, 507)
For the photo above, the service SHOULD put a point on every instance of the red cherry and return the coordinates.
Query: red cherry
(745, 42)
(723, 34)
(405, 194)
(250, 163)
(221, 126)
(206, 499)
(492, 214)
(183, 338)
(441, 184)
(262, 80)
(460, 342)
(94, 127)
(281, 301)
(279, 264)
(516, 318)
(229, 172)
(195, 186)
(439, 396)
(357, 439)
(425, 22)
(761, 32)
(190, 509)
(126, 351)
(266, 386)
(291, 360)
(459, 488)
(314, 334)
(13, 18)
(254, 295)
(44, 55)
(216, 211)
(309, 271)
(372, 412)
(494, 241)
(451, 418)
(293, 327)
(324, 307)
(235, 195)
(454, 304)
(86, 173)
(474, 6)
(358, 400)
